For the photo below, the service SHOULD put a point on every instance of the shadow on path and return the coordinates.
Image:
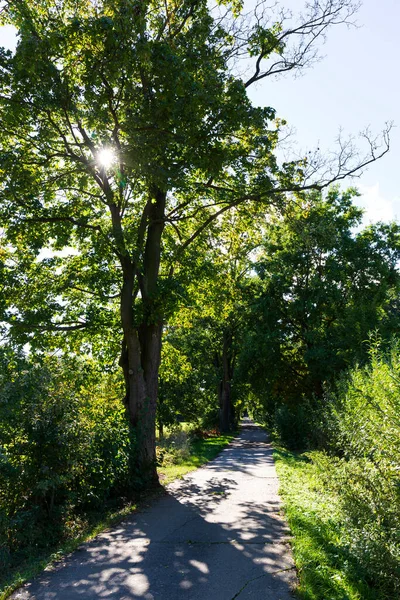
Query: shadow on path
(217, 534)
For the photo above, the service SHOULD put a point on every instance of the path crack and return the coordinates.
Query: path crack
(180, 526)
(260, 577)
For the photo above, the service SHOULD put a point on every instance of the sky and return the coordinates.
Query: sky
(356, 85)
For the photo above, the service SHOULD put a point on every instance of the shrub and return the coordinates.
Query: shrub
(366, 469)
(65, 447)
(301, 426)
(174, 448)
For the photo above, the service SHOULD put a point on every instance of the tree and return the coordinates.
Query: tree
(209, 325)
(125, 133)
(323, 288)
(226, 299)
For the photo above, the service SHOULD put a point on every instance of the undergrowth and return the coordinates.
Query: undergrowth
(327, 567)
(33, 561)
(183, 450)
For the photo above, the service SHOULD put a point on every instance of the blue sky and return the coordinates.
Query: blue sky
(356, 85)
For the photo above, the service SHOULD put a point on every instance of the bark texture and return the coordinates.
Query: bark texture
(141, 347)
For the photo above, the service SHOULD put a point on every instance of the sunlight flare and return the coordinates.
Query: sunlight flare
(106, 157)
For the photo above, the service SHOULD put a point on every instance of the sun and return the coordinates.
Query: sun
(106, 157)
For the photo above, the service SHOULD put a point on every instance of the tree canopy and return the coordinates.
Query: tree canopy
(323, 287)
(126, 131)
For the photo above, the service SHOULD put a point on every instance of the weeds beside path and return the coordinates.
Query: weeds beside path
(326, 569)
(180, 452)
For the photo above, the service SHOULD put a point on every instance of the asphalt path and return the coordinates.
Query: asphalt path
(218, 534)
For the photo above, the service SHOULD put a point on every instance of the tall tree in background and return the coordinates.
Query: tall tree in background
(209, 326)
(323, 289)
(125, 132)
(225, 299)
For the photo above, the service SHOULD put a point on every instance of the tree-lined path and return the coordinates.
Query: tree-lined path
(217, 534)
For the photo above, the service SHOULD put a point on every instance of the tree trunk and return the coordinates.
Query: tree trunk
(227, 416)
(225, 407)
(141, 352)
(140, 362)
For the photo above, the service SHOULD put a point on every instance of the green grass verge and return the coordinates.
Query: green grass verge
(200, 451)
(326, 570)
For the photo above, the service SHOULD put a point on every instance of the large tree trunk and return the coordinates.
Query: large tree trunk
(141, 352)
(140, 362)
(227, 416)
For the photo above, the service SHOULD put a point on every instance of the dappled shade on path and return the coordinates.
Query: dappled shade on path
(217, 534)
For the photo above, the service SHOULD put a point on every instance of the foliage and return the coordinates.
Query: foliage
(66, 459)
(135, 178)
(202, 342)
(126, 131)
(366, 470)
(174, 447)
(64, 449)
(326, 287)
(187, 388)
(326, 567)
(302, 425)
(323, 288)
(344, 505)
(32, 563)
(183, 450)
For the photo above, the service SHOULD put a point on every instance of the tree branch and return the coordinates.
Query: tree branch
(73, 326)
(61, 219)
(311, 27)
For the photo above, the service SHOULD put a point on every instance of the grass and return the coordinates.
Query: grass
(178, 458)
(326, 570)
(177, 461)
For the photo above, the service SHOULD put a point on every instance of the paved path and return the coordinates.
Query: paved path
(217, 535)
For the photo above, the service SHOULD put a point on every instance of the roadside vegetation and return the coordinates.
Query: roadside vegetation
(320, 366)
(51, 502)
(324, 565)
(182, 451)
(343, 503)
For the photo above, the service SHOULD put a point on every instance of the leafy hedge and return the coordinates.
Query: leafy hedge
(364, 417)
(65, 449)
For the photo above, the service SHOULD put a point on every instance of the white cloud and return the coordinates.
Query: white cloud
(376, 206)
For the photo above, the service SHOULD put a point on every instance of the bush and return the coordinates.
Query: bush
(174, 447)
(65, 448)
(366, 469)
(301, 426)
